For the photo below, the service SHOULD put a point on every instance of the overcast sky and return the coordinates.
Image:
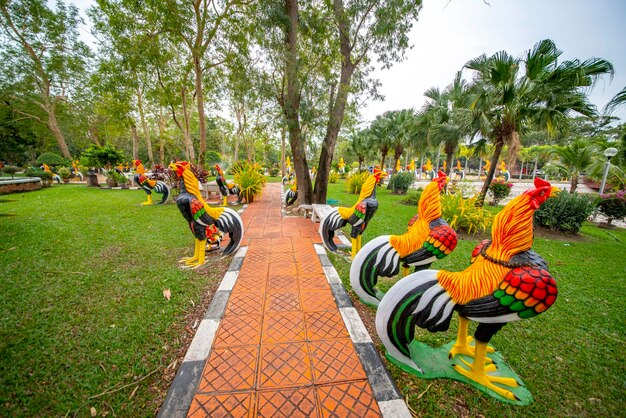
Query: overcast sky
(450, 33)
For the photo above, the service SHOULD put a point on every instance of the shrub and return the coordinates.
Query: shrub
(412, 197)
(250, 181)
(213, 157)
(96, 156)
(564, 213)
(613, 205)
(355, 182)
(50, 158)
(238, 166)
(463, 214)
(46, 178)
(65, 173)
(274, 170)
(499, 189)
(400, 183)
(33, 172)
(333, 177)
(10, 170)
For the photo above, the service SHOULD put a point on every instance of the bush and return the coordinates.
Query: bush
(274, 170)
(9, 170)
(250, 181)
(65, 173)
(51, 159)
(463, 214)
(400, 183)
(33, 172)
(213, 157)
(96, 156)
(613, 205)
(412, 197)
(46, 178)
(355, 182)
(333, 177)
(564, 213)
(499, 189)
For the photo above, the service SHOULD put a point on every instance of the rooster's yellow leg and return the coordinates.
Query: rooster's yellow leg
(462, 344)
(477, 373)
(359, 243)
(224, 201)
(354, 247)
(201, 254)
(196, 253)
(149, 201)
(405, 270)
(193, 257)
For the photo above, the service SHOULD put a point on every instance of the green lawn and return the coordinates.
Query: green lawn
(571, 358)
(83, 273)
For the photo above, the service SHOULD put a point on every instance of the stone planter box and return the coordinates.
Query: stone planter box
(22, 184)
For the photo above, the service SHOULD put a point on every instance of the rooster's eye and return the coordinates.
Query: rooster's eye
(542, 193)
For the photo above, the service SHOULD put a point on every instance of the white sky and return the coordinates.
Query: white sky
(450, 33)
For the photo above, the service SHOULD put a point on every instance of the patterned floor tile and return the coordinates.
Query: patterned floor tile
(335, 361)
(239, 330)
(282, 283)
(287, 403)
(283, 327)
(230, 369)
(325, 325)
(235, 405)
(317, 300)
(284, 365)
(282, 258)
(282, 301)
(244, 304)
(313, 282)
(353, 399)
(282, 269)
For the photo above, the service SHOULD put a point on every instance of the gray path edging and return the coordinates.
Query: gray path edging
(182, 390)
(385, 392)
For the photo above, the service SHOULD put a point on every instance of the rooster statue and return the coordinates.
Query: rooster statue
(506, 282)
(358, 216)
(46, 168)
(148, 185)
(292, 194)
(428, 238)
(200, 216)
(225, 187)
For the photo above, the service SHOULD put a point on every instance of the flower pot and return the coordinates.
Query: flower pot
(66, 180)
(111, 183)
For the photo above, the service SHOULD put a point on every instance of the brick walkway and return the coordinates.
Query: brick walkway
(281, 347)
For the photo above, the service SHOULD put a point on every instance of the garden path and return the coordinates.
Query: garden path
(281, 337)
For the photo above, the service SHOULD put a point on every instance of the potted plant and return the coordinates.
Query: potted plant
(65, 174)
(97, 157)
(250, 181)
(122, 180)
(500, 189)
(112, 178)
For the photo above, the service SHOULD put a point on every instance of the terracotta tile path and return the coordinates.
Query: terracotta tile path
(281, 348)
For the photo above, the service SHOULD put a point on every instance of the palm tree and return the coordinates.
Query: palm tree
(380, 131)
(616, 102)
(573, 159)
(508, 97)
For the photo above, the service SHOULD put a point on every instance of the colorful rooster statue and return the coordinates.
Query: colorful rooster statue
(76, 171)
(46, 168)
(201, 217)
(458, 171)
(341, 165)
(148, 185)
(428, 170)
(428, 238)
(504, 173)
(292, 194)
(358, 215)
(288, 171)
(225, 187)
(506, 282)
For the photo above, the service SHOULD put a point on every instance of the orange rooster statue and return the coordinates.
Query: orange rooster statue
(148, 184)
(428, 238)
(358, 215)
(506, 282)
(225, 187)
(200, 216)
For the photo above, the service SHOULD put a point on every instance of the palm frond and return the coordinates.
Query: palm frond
(616, 102)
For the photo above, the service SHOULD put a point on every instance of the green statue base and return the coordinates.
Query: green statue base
(434, 363)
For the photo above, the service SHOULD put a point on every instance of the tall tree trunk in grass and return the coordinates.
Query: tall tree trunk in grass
(135, 137)
(144, 126)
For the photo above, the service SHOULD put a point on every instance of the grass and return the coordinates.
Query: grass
(571, 358)
(83, 272)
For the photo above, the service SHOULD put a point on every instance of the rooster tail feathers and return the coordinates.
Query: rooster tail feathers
(417, 299)
(377, 258)
(164, 189)
(230, 221)
(330, 224)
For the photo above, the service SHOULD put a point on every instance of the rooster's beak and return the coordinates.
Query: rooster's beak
(554, 191)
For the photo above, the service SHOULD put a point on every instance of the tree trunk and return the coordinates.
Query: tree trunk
(449, 158)
(161, 138)
(282, 152)
(197, 65)
(189, 149)
(292, 105)
(574, 183)
(144, 126)
(492, 170)
(133, 131)
(94, 135)
(53, 124)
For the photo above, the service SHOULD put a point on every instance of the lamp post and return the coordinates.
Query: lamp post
(608, 153)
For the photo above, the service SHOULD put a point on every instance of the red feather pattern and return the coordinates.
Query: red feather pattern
(533, 287)
(478, 249)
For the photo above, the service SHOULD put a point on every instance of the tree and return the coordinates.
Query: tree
(507, 98)
(616, 102)
(42, 52)
(574, 159)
